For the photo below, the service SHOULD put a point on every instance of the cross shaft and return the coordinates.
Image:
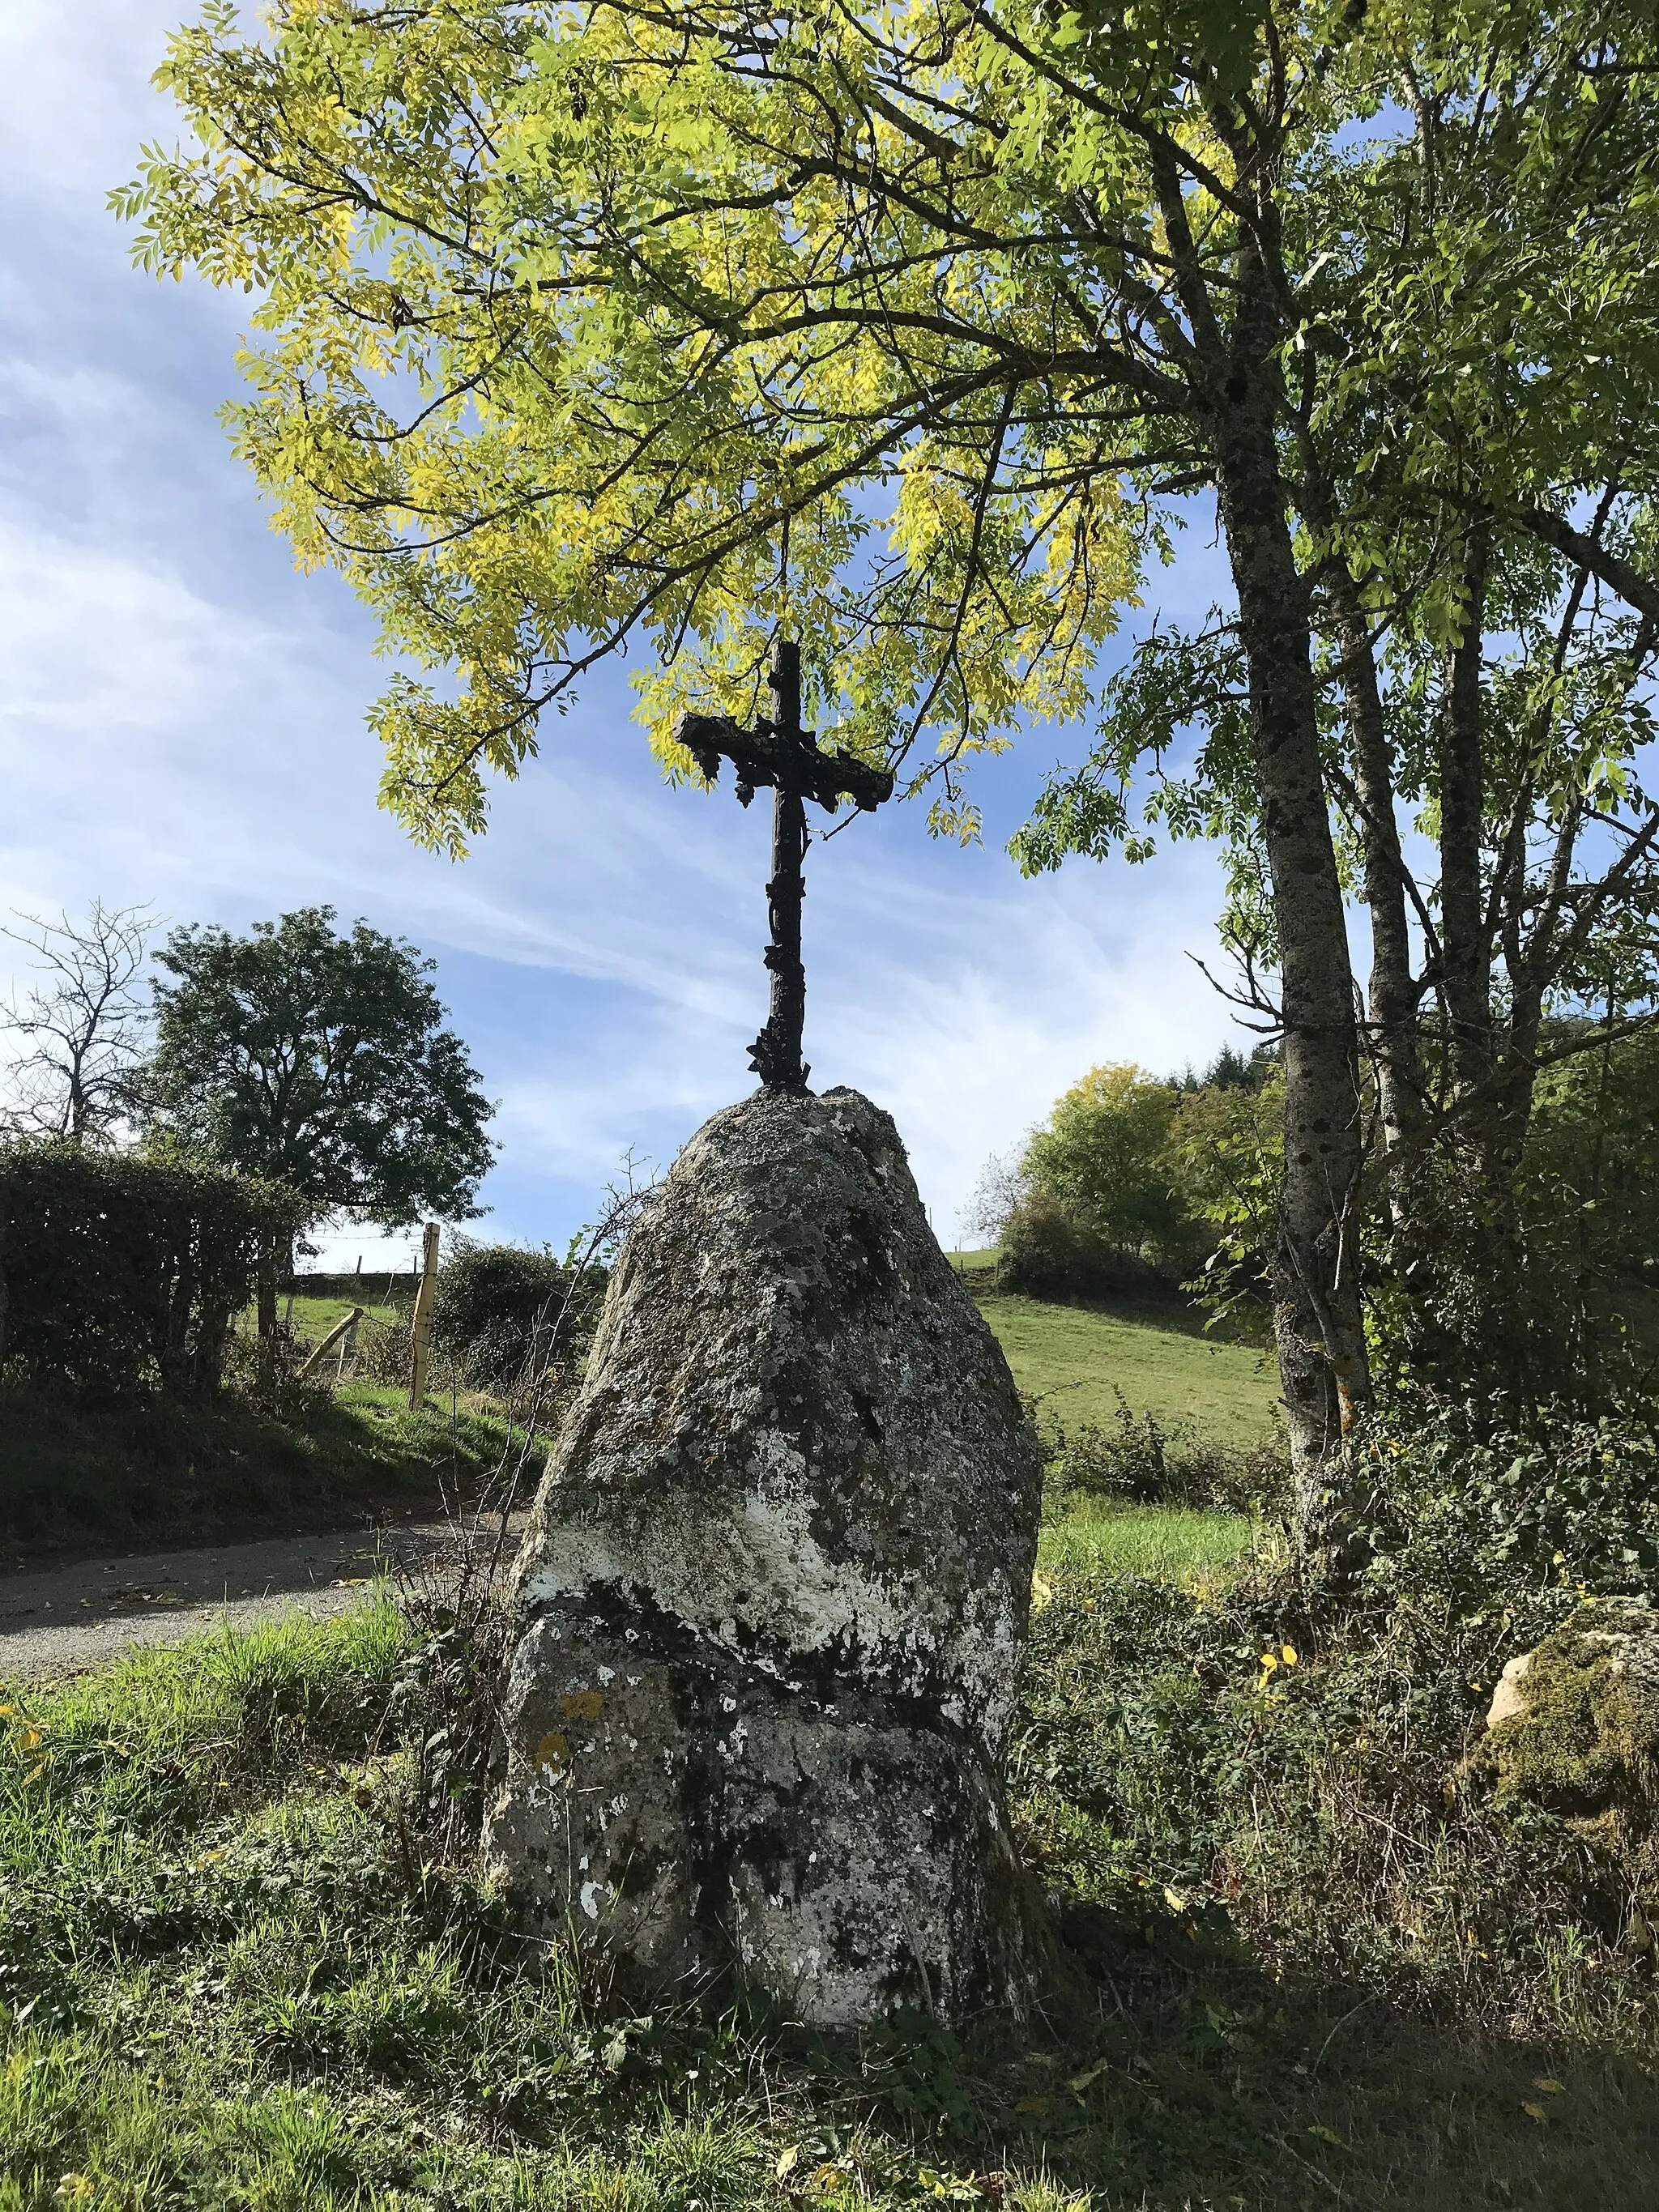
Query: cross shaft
(779, 752)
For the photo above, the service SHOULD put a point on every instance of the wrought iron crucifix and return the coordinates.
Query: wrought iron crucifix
(779, 752)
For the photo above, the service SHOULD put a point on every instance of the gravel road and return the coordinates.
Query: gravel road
(61, 1620)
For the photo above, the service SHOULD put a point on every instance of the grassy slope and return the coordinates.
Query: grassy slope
(312, 1318)
(78, 1477)
(73, 1477)
(1073, 1360)
(229, 1978)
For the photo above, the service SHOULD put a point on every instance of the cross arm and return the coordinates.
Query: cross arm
(765, 755)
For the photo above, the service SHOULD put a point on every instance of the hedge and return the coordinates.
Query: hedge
(118, 1273)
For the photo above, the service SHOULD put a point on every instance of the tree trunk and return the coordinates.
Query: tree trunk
(1465, 940)
(270, 1263)
(1393, 993)
(1317, 1324)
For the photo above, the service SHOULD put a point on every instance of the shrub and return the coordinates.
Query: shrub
(1291, 1776)
(117, 1271)
(1048, 1254)
(505, 1317)
(1146, 1461)
(1464, 1511)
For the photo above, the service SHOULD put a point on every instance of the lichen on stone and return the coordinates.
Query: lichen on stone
(786, 1541)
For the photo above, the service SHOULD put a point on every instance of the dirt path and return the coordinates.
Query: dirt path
(60, 1619)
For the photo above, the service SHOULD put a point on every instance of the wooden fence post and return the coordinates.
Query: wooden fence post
(421, 1333)
(341, 1330)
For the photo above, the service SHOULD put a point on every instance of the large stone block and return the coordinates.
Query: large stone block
(772, 1601)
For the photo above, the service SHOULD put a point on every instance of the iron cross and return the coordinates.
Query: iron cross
(779, 752)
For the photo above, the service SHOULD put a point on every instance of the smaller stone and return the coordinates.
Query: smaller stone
(1574, 1729)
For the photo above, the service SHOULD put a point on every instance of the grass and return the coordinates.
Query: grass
(1074, 1360)
(312, 1318)
(237, 1975)
(1096, 1537)
(230, 1976)
(79, 1477)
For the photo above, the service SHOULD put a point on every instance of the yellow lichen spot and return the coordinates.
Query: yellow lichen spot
(585, 1705)
(553, 1752)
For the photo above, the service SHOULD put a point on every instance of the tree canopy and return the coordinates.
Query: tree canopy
(319, 1061)
(81, 1030)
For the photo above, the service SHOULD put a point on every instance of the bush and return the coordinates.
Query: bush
(506, 1316)
(1142, 1460)
(1048, 1254)
(1463, 1511)
(377, 1287)
(1291, 1776)
(119, 1272)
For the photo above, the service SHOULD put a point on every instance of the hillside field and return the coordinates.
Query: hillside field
(1074, 1361)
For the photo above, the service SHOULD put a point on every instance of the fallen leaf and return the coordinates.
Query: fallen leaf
(1329, 2135)
(1534, 2111)
(1080, 2081)
(788, 2161)
(1549, 2085)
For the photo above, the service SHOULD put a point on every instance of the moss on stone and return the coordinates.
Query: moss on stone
(1583, 1742)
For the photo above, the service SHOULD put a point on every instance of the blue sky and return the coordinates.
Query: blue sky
(181, 722)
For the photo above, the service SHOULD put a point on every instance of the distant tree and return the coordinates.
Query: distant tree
(1232, 1070)
(1101, 1158)
(319, 1061)
(83, 1028)
(1225, 1158)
